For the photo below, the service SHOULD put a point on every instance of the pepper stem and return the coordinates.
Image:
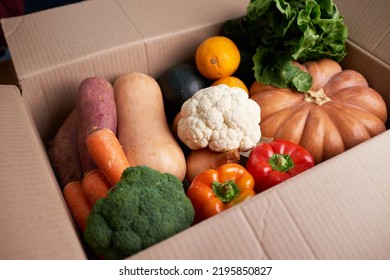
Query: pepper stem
(225, 191)
(281, 162)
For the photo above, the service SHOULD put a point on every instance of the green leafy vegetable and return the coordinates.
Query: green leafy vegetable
(142, 209)
(281, 31)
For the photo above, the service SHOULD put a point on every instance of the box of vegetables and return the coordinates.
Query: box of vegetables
(248, 130)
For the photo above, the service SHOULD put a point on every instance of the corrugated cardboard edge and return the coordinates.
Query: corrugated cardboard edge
(31, 204)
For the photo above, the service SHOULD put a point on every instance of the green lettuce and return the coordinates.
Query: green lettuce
(279, 32)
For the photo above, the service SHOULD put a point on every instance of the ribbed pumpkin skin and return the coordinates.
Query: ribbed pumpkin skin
(354, 113)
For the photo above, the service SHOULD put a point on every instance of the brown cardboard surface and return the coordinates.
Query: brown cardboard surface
(337, 210)
(368, 24)
(33, 222)
(107, 38)
(340, 207)
(52, 65)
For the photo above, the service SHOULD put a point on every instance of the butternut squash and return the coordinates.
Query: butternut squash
(143, 130)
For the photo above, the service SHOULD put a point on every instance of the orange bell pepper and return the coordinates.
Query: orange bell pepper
(214, 191)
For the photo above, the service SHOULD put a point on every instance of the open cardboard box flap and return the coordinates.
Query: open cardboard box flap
(336, 210)
(35, 223)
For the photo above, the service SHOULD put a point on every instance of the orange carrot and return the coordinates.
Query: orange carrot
(107, 152)
(78, 204)
(95, 185)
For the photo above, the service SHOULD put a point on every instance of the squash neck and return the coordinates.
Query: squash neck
(318, 97)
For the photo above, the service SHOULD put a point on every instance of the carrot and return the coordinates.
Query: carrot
(107, 152)
(78, 204)
(95, 185)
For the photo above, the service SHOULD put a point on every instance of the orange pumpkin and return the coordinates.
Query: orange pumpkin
(339, 111)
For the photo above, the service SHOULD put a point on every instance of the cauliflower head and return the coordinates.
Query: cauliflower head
(221, 118)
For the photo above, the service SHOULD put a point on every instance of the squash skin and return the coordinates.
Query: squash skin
(354, 114)
(142, 127)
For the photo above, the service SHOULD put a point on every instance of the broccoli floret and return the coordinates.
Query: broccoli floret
(143, 208)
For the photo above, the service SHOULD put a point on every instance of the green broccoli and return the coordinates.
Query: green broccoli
(143, 208)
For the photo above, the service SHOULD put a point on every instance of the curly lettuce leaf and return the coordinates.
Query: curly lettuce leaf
(281, 31)
(280, 72)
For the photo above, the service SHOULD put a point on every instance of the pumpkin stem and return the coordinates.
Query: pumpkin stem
(318, 97)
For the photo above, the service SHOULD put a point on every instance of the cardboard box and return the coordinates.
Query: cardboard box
(336, 210)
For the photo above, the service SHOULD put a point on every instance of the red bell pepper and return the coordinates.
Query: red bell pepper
(274, 162)
(213, 191)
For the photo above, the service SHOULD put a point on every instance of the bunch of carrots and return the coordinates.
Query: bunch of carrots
(107, 152)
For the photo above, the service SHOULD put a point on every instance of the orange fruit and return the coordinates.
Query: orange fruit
(231, 81)
(217, 57)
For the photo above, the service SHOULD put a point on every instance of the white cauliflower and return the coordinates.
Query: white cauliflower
(220, 117)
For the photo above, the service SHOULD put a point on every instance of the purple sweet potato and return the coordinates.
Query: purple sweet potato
(63, 151)
(96, 109)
